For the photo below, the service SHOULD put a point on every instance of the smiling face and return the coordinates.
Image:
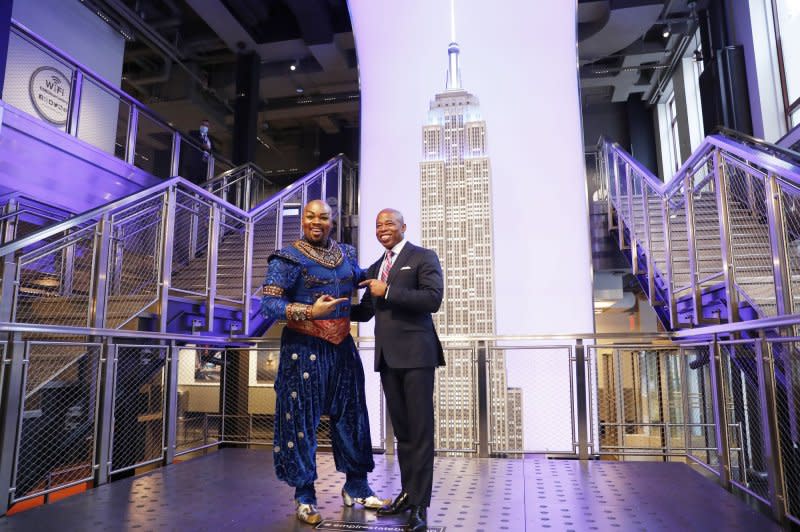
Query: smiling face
(316, 222)
(390, 228)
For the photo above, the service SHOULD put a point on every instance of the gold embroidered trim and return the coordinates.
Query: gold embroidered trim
(298, 312)
(329, 257)
(272, 290)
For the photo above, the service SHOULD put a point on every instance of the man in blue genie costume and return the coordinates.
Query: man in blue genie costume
(309, 284)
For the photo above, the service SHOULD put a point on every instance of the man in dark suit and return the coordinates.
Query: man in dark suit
(194, 162)
(404, 287)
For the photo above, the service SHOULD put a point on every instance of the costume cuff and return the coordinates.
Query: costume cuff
(298, 312)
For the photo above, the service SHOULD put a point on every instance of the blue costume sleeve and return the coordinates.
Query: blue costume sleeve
(281, 277)
(352, 257)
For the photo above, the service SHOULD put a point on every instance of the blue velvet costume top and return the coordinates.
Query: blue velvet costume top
(304, 279)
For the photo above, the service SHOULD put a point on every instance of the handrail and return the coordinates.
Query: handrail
(760, 143)
(112, 205)
(96, 78)
(771, 163)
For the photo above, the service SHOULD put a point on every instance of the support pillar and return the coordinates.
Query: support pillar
(245, 111)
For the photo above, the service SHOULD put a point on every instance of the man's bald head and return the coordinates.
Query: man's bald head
(390, 228)
(316, 222)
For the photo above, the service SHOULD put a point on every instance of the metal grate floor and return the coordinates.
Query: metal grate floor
(235, 489)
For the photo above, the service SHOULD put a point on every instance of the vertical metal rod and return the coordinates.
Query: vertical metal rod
(607, 179)
(634, 245)
(691, 237)
(210, 167)
(75, 102)
(167, 235)
(12, 394)
(175, 158)
(720, 413)
(726, 245)
(651, 280)
(100, 284)
(483, 399)
(248, 191)
(211, 265)
(249, 229)
(620, 230)
(105, 421)
(769, 427)
(777, 239)
(133, 127)
(620, 398)
(171, 419)
(581, 389)
(669, 281)
(684, 380)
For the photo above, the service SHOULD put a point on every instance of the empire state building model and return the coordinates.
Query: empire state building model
(456, 222)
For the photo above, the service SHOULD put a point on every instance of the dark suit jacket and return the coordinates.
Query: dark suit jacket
(404, 333)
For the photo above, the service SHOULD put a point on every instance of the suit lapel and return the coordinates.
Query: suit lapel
(400, 261)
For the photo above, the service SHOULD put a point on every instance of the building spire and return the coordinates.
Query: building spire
(453, 73)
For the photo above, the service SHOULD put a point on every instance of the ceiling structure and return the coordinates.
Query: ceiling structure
(181, 55)
(631, 47)
(180, 59)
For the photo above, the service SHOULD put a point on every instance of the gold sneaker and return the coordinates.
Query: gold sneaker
(372, 502)
(308, 513)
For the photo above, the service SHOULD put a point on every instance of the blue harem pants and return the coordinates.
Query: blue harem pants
(316, 377)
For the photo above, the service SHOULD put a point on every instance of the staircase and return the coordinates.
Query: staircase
(172, 258)
(714, 244)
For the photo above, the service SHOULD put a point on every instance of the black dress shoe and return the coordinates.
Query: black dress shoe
(398, 506)
(417, 522)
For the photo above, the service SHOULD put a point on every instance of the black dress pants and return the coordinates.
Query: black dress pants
(409, 399)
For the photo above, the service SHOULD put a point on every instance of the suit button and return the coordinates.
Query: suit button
(290, 445)
(301, 435)
(313, 357)
(276, 449)
(294, 356)
(305, 375)
(288, 416)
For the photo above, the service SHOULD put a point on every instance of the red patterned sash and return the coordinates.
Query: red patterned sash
(333, 331)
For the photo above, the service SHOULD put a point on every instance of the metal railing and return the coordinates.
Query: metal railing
(725, 403)
(719, 241)
(174, 241)
(94, 110)
(244, 186)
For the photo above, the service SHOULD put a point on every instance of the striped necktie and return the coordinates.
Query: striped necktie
(387, 265)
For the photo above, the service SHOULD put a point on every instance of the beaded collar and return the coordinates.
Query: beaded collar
(330, 256)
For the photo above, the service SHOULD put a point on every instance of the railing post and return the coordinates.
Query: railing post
(721, 181)
(171, 422)
(720, 414)
(780, 261)
(684, 380)
(165, 255)
(619, 400)
(651, 279)
(211, 265)
(769, 427)
(175, 160)
(248, 203)
(76, 90)
(248, 277)
(105, 409)
(691, 237)
(672, 304)
(620, 223)
(12, 397)
(610, 191)
(210, 167)
(133, 127)
(634, 246)
(102, 250)
(581, 390)
(483, 398)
